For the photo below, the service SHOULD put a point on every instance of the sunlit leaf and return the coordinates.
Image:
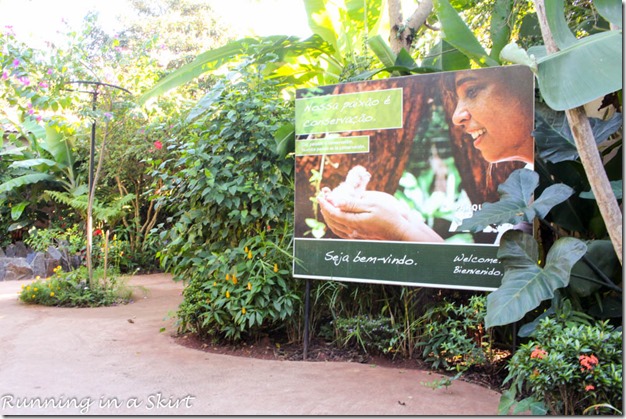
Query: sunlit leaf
(500, 26)
(17, 210)
(582, 72)
(459, 35)
(382, 50)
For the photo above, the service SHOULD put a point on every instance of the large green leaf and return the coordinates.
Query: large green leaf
(40, 164)
(585, 280)
(321, 22)
(31, 126)
(20, 181)
(611, 10)
(616, 185)
(365, 14)
(444, 57)
(209, 60)
(206, 102)
(457, 34)
(555, 15)
(515, 204)
(18, 209)
(525, 284)
(500, 29)
(285, 137)
(554, 139)
(382, 50)
(582, 72)
(59, 146)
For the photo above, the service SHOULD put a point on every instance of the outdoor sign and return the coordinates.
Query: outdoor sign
(386, 170)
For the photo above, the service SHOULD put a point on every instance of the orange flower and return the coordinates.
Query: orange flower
(589, 387)
(227, 277)
(588, 362)
(538, 353)
(234, 280)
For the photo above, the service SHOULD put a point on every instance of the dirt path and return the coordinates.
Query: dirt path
(115, 360)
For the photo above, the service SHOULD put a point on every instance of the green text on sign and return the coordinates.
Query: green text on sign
(379, 109)
(336, 145)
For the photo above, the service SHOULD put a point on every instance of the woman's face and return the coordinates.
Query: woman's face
(496, 119)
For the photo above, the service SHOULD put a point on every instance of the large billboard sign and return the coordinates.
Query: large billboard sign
(386, 170)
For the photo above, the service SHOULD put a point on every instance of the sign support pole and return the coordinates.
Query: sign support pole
(307, 310)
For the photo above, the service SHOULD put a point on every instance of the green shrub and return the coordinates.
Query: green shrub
(232, 199)
(567, 369)
(71, 239)
(69, 289)
(453, 335)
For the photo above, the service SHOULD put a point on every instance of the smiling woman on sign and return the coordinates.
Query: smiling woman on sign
(492, 109)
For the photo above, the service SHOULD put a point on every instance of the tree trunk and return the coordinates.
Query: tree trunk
(402, 33)
(588, 151)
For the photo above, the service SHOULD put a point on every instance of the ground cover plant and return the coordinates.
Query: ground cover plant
(70, 289)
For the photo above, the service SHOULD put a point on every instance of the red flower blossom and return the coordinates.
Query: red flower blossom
(97, 232)
(587, 362)
(589, 387)
(158, 145)
(538, 353)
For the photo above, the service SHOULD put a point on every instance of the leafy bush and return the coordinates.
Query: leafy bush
(232, 199)
(453, 335)
(373, 334)
(69, 289)
(72, 239)
(567, 369)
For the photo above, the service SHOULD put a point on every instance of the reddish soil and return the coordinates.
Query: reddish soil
(320, 350)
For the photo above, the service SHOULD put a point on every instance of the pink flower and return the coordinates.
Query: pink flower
(43, 84)
(25, 81)
(5, 75)
(158, 145)
(49, 72)
(9, 30)
(16, 63)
